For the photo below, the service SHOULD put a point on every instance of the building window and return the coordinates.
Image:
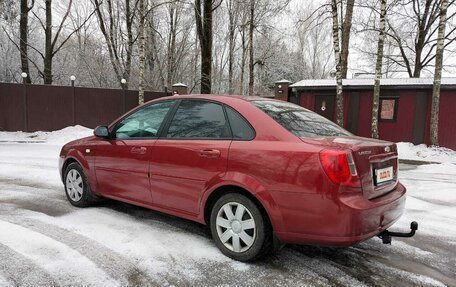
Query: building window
(388, 109)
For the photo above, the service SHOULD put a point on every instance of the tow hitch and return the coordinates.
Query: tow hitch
(386, 235)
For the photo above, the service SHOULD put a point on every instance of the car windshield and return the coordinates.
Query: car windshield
(301, 122)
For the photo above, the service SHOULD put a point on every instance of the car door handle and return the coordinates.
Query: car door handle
(138, 150)
(209, 153)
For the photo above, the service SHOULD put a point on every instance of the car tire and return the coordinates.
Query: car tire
(244, 234)
(77, 188)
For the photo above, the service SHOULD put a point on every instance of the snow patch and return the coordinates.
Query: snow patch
(422, 152)
(58, 137)
(430, 199)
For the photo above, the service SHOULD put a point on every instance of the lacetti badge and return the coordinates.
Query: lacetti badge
(387, 149)
(365, 152)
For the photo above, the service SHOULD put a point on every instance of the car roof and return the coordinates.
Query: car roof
(217, 97)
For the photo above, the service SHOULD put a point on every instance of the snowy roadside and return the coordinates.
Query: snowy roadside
(423, 153)
(407, 151)
(59, 137)
(45, 241)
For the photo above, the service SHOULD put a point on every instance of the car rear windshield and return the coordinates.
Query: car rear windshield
(301, 122)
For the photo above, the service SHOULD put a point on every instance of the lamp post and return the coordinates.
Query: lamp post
(122, 83)
(73, 99)
(24, 77)
(24, 82)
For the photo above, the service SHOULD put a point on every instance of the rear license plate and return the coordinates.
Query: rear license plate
(384, 174)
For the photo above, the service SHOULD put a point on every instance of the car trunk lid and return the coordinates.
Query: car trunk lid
(376, 161)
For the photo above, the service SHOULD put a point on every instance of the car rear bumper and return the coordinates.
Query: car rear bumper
(351, 220)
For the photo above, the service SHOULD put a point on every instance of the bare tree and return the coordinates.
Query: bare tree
(142, 53)
(233, 18)
(345, 43)
(251, 47)
(119, 38)
(336, 46)
(378, 70)
(172, 35)
(438, 73)
(53, 42)
(414, 34)
(23, 42)
(313, 36)
(203, 17)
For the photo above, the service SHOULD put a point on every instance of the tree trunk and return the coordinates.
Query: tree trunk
(336, 44)
(142, 55)
(421, 39)
(171, 44)
(251, 54)
(130, 17)
(243, 61)
(346, 29)
(48, 45)
(231, 44)
(23, 29)
(204, 30)
(378, 71)
(438, 74)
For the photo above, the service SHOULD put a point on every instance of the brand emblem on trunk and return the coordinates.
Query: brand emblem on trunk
(387, 149)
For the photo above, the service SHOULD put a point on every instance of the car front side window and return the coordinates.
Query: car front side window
(143, 123)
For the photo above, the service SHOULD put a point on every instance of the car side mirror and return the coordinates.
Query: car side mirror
(101, 131)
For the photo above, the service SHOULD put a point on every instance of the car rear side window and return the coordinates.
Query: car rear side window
(199, 119)
(240, 128)
(299, 121)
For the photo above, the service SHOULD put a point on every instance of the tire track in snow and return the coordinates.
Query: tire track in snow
(28, 182)
(4, 282)
(34, 199)
(54, 257)
(114, 264)
(18, 270)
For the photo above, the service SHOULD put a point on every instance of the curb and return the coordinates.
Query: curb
(416, 162)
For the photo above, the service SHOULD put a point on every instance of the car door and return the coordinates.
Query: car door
(192, 152)
(122, 161)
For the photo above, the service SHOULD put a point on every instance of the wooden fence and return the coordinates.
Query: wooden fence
(29, 108)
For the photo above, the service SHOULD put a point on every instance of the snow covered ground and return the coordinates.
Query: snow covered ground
(409, 151)
(44, 241)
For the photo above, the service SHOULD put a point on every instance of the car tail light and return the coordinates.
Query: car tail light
(340, 167)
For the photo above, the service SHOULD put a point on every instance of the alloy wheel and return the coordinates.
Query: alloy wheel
(74, 185)
(236, 227)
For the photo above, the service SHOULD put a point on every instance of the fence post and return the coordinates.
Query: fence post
(179, 89)
(24, 82)
(282, 90)
(73, 99)
(122, 83)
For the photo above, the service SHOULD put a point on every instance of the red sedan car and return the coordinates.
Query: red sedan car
(257, 171)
